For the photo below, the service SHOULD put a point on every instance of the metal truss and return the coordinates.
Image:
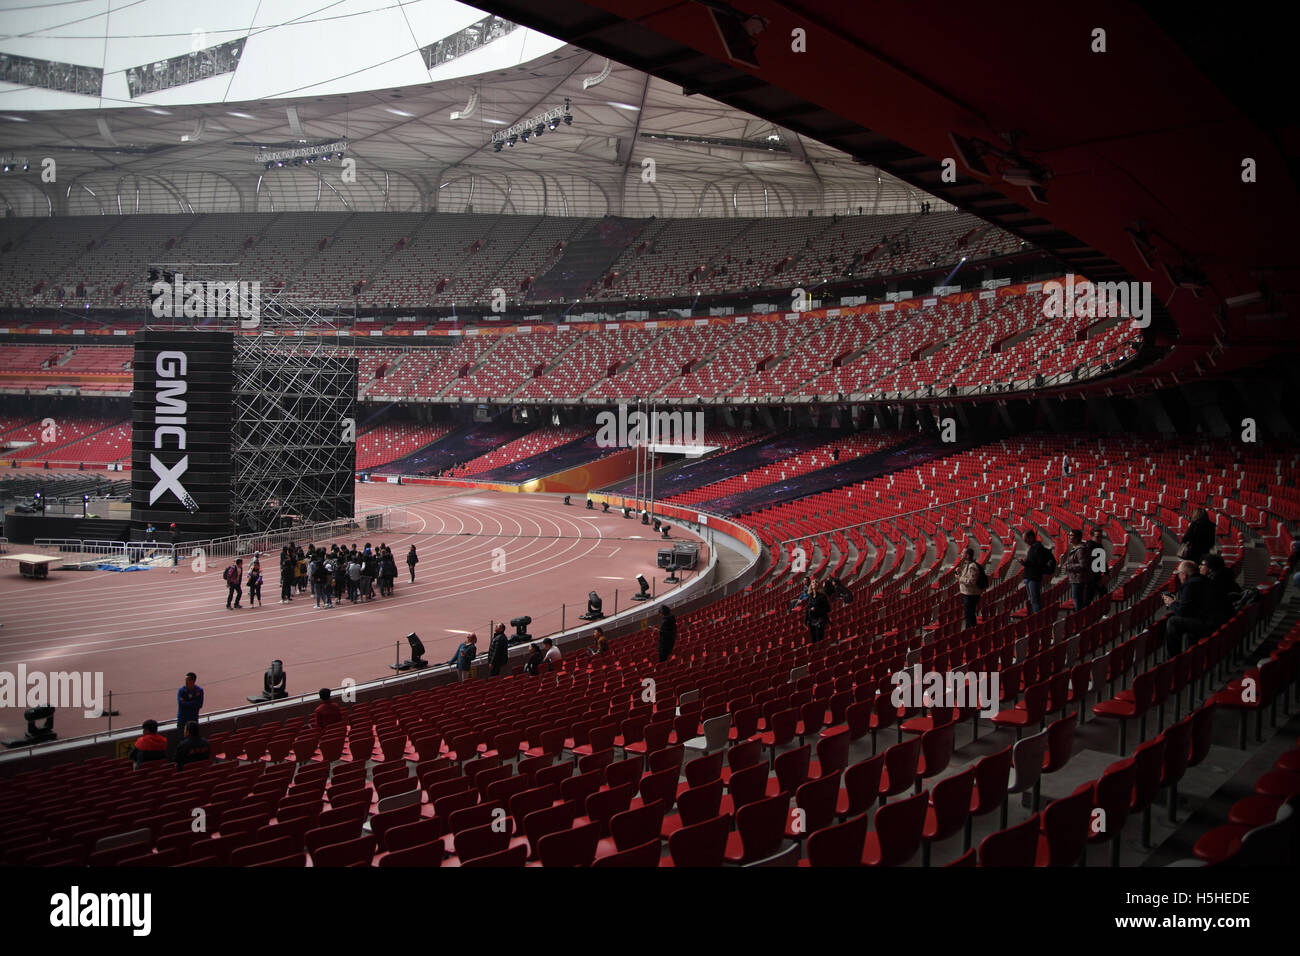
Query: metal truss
(295, 412)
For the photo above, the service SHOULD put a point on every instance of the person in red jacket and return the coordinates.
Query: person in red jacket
(327, 712)
(151, 745)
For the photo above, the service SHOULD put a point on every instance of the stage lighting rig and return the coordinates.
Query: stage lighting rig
(306, 153)
(644, 585)
(533, 126)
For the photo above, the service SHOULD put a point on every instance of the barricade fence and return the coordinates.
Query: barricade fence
(81, 553)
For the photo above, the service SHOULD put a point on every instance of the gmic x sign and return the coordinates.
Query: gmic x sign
(169, 419)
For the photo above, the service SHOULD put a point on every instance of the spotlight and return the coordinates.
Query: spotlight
(666, 528)
(297, 161)
(595, 607)
(645, 516)
(510, 141)
(539, 129)
(604, 507)
(591, 505)
(268, 165)
(416, 661)
(36, 735)
(656, 524)
(553, 124)
(6, 167)
(496, 146)
(525, 134)
(521, 635)
(626, 513)
(645, 589)
(275, 684)
(568, 120)
(566, 500)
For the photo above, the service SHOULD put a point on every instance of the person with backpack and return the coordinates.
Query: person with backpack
(234, 576)
(254, 584)
(1038, 563)
(1078, 568)
(412, 559)
(971, 582)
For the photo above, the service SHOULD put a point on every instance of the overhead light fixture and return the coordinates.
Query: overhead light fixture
(624, 106)
(496, 122)
(533, 126)
(397, 112)
(157, 112)
(240, 115)
(297, 155)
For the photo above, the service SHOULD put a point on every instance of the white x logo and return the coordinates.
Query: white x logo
(168, 478)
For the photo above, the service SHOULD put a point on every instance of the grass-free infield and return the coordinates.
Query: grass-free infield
(483, 557)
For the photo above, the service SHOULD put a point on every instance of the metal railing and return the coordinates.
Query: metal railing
(79, 553)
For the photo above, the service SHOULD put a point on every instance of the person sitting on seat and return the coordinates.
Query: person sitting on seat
(192, 748)
(327, 713)
(149, 746)
(1192, 611)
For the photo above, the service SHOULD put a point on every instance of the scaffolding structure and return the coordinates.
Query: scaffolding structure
(295, 397)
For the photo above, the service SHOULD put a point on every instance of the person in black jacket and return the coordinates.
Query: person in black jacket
(192, 748)
(288, 571)
(1198, 540)
(1224, 589)
(533, 666)
(498, 651)
(412, 559)
(1192, 612)
(1036, 561)
(667, 632)
(817, 613)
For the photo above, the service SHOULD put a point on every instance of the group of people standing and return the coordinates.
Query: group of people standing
(1085, 567)
(342, 570)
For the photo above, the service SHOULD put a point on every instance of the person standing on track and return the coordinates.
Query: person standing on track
(412, 559)
(234, 583)
(255, 584)
(287, 573)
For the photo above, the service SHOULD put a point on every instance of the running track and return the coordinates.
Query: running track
(145, 629)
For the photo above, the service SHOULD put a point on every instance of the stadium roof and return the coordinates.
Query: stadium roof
(172, 132)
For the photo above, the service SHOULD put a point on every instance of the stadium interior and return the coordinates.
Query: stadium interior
(887, 294)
